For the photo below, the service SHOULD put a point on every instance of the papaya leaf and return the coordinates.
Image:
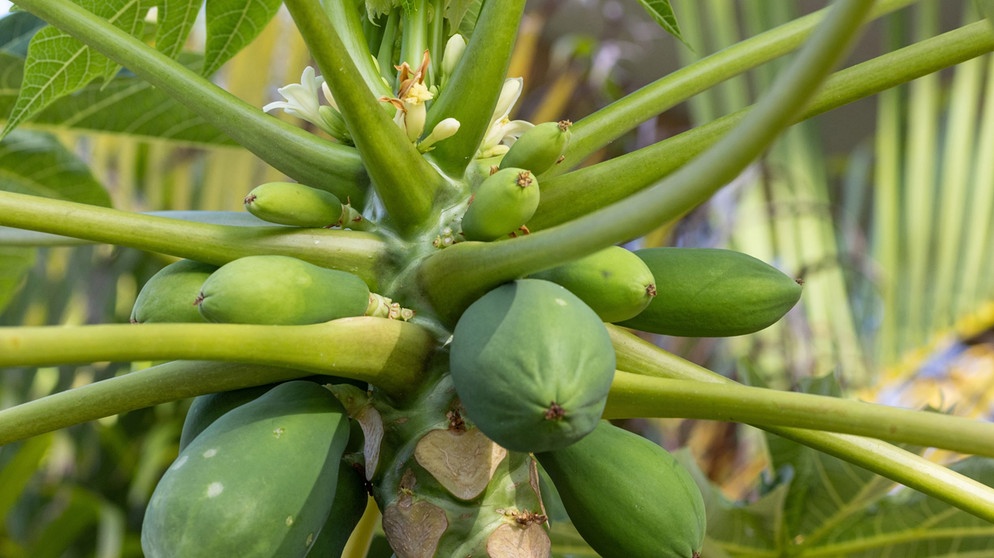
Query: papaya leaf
(18, 464)
(231, 25)
(125, 105)
(910, 524)
(455, 10)
(15, 262)
(175, 19)
(662, 12)
(16, 30)
(58, 64)
(37, 164)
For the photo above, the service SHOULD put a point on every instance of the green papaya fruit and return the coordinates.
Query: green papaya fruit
(532, 365)
(280, 290)
(502, 203)
(350, 503)
(712, 292)
(298, 205)
(258, 482)
(539, 147)
(169, 295)
(614, 282)
(205, 409)
(627, 496)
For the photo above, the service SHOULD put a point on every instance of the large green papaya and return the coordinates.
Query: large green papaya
(532, 365)
(169, 295)
(258, 482)
(627, 496)
(280, 290)
(298, 205)
(614, 282)
(502, 203)
(205, 409)
(712, 292)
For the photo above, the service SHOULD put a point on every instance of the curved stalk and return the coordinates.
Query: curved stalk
(612, 121)
(641, 357)
(634, 395)
(471, 92)
(389, 354)
(344, 16)
(295, 152)
(363, 254)
(589, 189)
(406, 183)
(144, 388)
(456, 276)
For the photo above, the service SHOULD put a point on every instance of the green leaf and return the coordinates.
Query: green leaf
(18, 464)
(175, 19)
(662, 12)
(14, 266)
(16, 30)
(57, 64)
(37, 164)
(912, 525)
(126, 105)
(231, 25)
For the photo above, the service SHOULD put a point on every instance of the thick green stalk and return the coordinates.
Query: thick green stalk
(634, 395)
(299, 154)
(363, 254)
(590, 189)
(344, 16)
(611, 122)
(456, 276)
(641, 357)
(472, 90)
(389, 354)
(406, 183)
(144, 388)
(414, 39)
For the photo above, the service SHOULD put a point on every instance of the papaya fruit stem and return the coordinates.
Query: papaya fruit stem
(634, 395)
(297, 153)
(407, 184)
(589, 189)
(360, 253)
(390, 354)
(607, 124)
(637, 355)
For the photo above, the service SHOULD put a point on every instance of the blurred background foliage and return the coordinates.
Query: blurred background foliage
(883, 208)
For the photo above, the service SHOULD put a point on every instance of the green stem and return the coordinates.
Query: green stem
(611, 122)
(389, 354)
(634, 395)
(471, 92)
(363, 254)
(300, 154)
(641, 357)
(406, 183)
(344, 16)
(589, 189)
(456, 276)
(414, 38)
(152, 386)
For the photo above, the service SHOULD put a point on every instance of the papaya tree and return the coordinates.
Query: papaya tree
(425, 323)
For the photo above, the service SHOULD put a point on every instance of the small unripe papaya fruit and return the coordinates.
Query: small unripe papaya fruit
(280, 290)
(348, 507)
(532, 365)
(539, 147)
(627, 496)
(712, 292)
(502, 203)
(297, 205)
(614, 282)
(258, 482)
(168, 296)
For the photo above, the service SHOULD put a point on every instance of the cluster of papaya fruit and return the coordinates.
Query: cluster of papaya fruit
(521, 384)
